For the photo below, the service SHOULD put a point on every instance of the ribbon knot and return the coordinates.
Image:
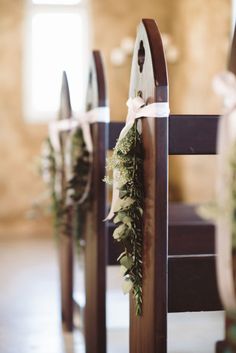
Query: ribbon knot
(70, 125)
(134, 106)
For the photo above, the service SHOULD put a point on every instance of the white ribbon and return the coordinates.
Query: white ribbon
(136, 109)
(225, 85)
(100, 114)
(70, 125)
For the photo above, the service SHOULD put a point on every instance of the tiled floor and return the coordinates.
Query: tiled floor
(30, 317)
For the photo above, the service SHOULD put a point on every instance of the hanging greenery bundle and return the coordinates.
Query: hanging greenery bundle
(126, 164)
(79, 184)
(49, 172)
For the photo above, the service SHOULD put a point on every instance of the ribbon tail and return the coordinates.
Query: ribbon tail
(54, 137)
(115, 198)
(85, 126)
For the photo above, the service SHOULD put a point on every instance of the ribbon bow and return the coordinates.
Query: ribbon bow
(83, 120)
(136, 109)
(70, 125)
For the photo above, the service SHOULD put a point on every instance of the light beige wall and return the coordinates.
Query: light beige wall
(200, 29)
(202, 32)
(113, 20)
(19, 142)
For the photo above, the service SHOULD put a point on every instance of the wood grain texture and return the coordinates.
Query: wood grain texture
(65, 237)
(192, 284)
(148, 332)
(96, 229)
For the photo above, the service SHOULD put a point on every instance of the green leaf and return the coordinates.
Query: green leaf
(117, 205)
(127, 165)
(127, 262)
(123, 270)
(127, 220)
(126, 202)
(127, 286)
(116, 219)
(119, 231)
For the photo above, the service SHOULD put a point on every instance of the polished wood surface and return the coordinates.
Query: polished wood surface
(96, 229)
(192, 284)
(189, 258)
(95, 234)
(189, 234)
(148, 332)
(65, 236)
(192, 134)
(183, 138)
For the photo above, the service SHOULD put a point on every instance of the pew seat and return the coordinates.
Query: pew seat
(189, 234)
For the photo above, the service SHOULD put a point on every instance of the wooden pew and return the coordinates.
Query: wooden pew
(189, 255)
(179, 274)
(65, 236)
(95, 228)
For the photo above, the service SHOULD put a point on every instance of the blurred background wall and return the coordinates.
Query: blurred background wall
(19, 142)
(200, 31)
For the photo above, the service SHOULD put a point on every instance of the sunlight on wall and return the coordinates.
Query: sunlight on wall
(57, 2)
(56, 40)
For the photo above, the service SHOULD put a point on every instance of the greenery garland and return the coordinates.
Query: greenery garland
(126, 164)
(49, 168)
(81, 168)
(81, 165)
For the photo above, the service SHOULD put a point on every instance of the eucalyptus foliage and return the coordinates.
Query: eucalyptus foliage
(126, 164)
